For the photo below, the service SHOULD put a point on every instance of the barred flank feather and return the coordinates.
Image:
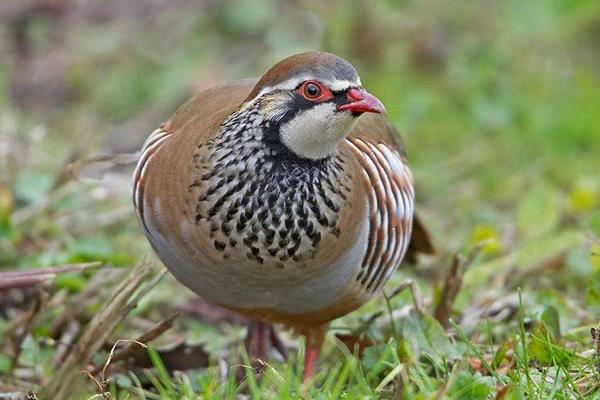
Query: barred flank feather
(391, 203)
(150, 147)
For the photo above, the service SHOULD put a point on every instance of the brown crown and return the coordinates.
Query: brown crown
(320, 66)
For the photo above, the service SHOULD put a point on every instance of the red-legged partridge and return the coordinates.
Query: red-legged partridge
(289, 199)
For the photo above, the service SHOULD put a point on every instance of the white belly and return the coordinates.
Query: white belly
(292, 290)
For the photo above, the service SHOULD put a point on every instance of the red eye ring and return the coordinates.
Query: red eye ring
(315, 91)
(312, 90)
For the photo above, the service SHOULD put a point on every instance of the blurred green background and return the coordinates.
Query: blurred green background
(498, 103)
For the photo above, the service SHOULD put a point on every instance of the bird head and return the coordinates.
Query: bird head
(311, 101)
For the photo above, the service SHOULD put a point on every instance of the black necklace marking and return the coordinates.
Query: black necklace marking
(261, 199)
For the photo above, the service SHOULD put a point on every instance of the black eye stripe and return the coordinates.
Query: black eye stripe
(340, 98)
(297, 103)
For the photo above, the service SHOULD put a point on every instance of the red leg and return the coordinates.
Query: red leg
(314, 340)
(310, 363)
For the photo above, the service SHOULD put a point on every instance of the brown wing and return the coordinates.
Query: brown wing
(206, 111)
(377, 128)
(194, 123)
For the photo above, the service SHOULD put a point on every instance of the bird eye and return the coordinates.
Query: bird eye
(312, 90)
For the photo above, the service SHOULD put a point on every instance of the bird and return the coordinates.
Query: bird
(287, 198)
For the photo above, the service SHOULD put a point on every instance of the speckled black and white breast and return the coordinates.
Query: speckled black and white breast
(259, 202)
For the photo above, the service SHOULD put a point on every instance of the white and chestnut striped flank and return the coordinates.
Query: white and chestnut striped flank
(388, 182)
(149, 149)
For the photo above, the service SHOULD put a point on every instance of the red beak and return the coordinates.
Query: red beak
(361, 102)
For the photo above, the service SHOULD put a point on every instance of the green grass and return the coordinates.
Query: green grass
(432, 368)
(499, 106)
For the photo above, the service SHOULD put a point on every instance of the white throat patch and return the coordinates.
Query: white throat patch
(315, 133)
